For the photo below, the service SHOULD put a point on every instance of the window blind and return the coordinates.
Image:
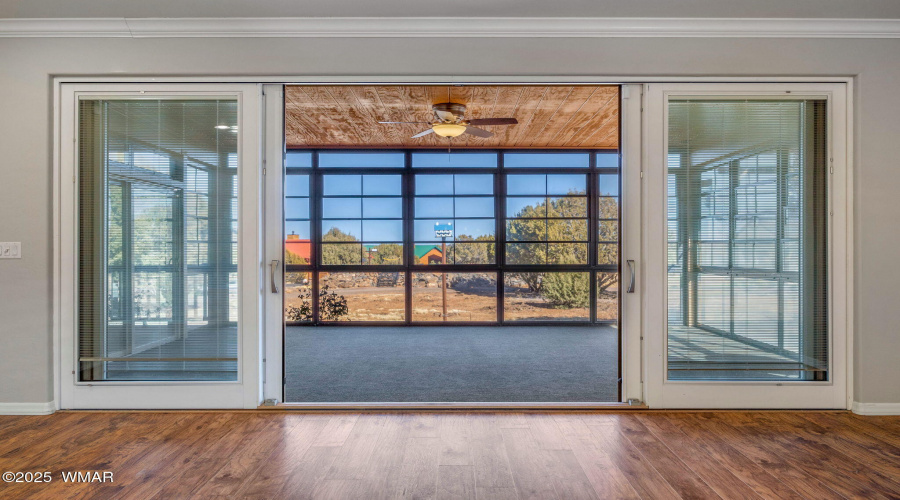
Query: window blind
(747, 239)
(157, 276)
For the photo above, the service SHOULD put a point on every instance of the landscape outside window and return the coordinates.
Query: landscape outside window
(428, 237)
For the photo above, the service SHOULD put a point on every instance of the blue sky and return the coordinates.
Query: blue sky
(349, 200)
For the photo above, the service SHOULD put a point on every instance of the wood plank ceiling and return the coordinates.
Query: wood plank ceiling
(555, 117)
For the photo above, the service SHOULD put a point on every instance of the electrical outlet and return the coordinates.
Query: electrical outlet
(11, 250)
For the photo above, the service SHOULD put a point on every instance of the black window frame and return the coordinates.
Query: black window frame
(500, 268)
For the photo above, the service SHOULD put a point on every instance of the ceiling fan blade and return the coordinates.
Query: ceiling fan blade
(404, 122)
(478, 132)
(423, 133)
(493, 121)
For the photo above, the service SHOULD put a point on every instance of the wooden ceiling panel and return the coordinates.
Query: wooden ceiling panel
(553, 116)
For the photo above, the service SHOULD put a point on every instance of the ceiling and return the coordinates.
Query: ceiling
(347, 116)
(887, 9)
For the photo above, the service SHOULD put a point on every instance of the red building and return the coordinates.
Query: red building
(294, 245)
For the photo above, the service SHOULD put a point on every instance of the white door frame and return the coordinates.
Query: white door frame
(243, 393)
(630, 306)
(630, 241)
(273, 225)
(664, 393)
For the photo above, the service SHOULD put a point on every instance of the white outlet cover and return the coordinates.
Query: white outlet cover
(11, 250)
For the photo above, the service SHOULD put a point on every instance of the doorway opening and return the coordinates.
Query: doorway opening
(480, 267)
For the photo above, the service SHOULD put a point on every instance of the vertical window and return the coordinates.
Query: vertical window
(546, 219)
(298, 248)
(157, 240)
(608, 218)
(362, 220)
(746, 224)
(465, 204)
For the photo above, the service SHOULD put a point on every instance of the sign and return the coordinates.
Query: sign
(443, 230)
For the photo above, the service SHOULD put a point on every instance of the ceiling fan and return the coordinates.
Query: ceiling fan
(449, 121)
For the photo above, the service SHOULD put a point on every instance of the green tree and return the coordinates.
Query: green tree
(290, 258)
(565, 222)
(608, 253)
(567, 290)
(561, 219)
(341, 254)
(477, 250)
(389, 254)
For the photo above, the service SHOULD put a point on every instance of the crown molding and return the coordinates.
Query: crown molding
(438, 27)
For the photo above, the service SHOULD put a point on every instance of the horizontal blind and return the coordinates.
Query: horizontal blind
(747, 239)
(157, 230)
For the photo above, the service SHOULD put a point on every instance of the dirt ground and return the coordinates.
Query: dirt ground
(386, 304)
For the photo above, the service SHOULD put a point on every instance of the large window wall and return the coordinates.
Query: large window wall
(466, 237)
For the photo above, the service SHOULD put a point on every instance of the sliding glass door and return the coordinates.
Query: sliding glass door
(750, 241)
(159, 264)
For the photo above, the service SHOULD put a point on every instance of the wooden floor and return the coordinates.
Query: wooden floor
(269, 455)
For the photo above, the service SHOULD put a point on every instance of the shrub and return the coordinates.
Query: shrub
(331, 306)
(567, 290)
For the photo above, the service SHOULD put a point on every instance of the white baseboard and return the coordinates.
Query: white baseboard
(875, 408)
(28, 408)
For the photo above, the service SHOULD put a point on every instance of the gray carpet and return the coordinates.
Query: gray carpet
(451, 364)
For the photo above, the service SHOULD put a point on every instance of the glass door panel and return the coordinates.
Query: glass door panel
(743, 214)
(747, 201)
(157, 224)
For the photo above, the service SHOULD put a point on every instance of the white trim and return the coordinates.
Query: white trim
(849, 219)
(875, 408)
(630, 234)
(28, 408)
(362, 80)
(442, 27)
(273, 247)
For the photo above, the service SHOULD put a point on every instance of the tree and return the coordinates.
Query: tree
(561, 219)
(290, 258)
(469, 250)
(567, 290)
(608, 253)
(340, 254)
(386, 254)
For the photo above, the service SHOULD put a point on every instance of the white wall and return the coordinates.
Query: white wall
(28, 65)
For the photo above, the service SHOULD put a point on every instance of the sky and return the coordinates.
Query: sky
(351, 201)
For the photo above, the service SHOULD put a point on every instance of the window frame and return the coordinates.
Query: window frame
(409, 267)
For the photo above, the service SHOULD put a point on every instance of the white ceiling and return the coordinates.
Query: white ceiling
(885, 9)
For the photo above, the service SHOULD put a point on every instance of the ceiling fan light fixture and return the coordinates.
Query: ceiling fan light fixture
(448, 129)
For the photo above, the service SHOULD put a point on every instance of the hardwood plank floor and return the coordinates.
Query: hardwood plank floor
(638, 454)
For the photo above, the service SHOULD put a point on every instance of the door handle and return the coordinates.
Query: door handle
(273, 266)
(631, 271)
